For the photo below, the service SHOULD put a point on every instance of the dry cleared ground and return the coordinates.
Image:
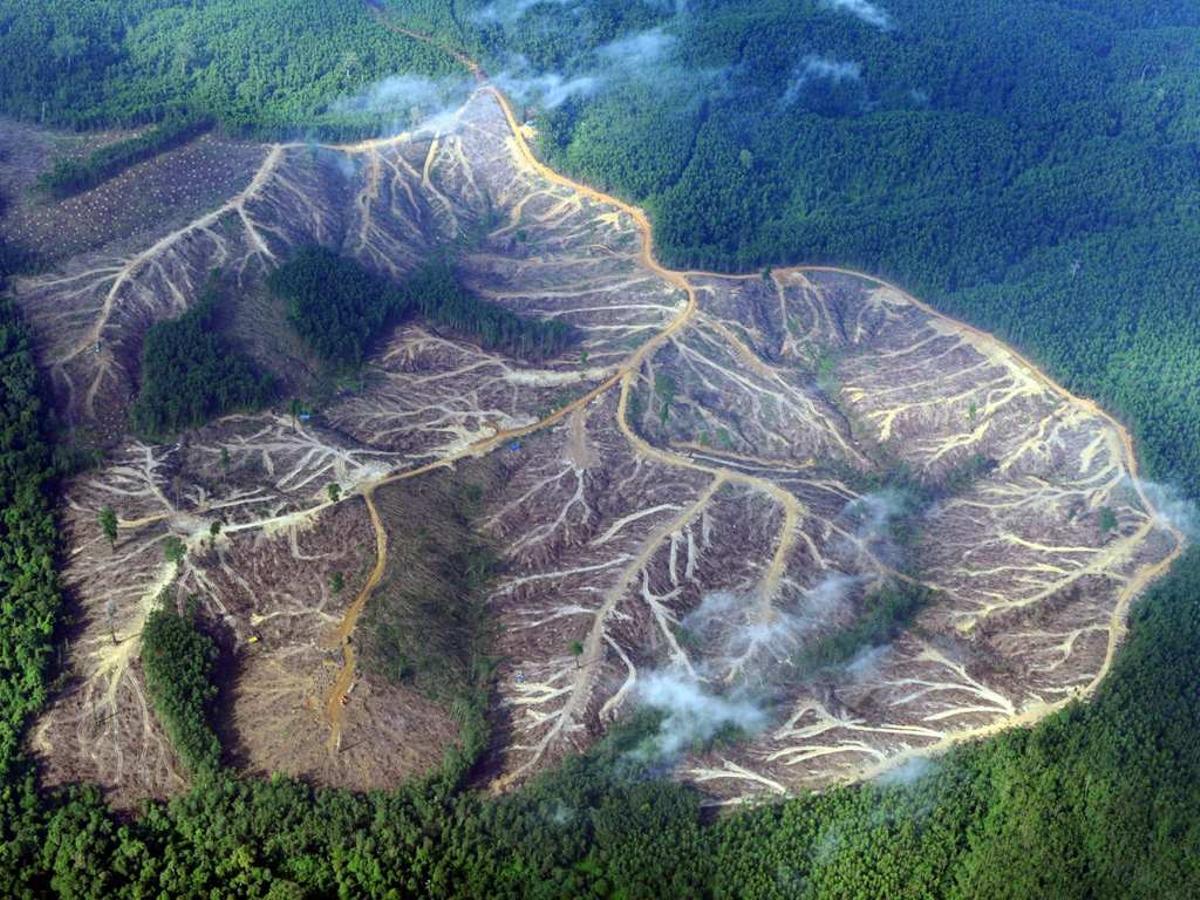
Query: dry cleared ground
(687, 502)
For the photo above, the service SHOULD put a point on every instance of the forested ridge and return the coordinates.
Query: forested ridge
(340, 309)
(1031, 167)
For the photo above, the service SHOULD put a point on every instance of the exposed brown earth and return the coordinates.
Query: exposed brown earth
(711, 437)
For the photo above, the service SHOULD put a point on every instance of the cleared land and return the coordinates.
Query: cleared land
(707, 487)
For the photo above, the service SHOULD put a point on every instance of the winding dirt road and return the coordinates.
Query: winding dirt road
(625, 376)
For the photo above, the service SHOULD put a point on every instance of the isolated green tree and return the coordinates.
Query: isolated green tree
(174, 549)
(108, 525)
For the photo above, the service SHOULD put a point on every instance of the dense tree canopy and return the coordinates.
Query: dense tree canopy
(268, 66)
(190, 373)
(340, 309)
(28, 586)
(178, 661)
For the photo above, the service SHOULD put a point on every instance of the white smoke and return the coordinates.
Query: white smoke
(746, 647)
(561, 814)
(694, 713)
(635, 51)
(1171, 506)
(906, 773)
(866, 662)
(863, 9)
(506, 12)
(545, 89)
(819, 68)
(410, 101)
(636, 57)
(875, 513)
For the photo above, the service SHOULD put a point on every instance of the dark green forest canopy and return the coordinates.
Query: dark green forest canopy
(178, 660)
(190, 373)
(1029, 165)
(268, 66)
(340, 309)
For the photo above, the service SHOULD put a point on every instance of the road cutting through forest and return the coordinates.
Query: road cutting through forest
(625, 377)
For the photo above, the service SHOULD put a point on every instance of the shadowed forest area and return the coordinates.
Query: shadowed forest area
(340, 309)
(1030, 167)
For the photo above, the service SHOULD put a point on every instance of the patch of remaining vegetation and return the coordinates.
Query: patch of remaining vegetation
(335, 305)
(425, 624)
(885, 613)
(73, 176)
(340, 309)
(191, 374)
(436, 295)
(178, 660)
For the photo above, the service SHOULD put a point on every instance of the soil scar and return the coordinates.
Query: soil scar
(625, 376)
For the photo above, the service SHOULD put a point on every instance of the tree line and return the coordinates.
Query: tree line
(72, 176)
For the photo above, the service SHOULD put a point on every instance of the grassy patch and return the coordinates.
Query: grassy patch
(424, 625)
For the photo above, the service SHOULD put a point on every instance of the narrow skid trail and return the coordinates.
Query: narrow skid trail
(334, 706)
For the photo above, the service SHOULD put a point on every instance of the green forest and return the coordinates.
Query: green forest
(340, 309)
(178, 660)
(1030, 166)
(190, 373)
(272, 66)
